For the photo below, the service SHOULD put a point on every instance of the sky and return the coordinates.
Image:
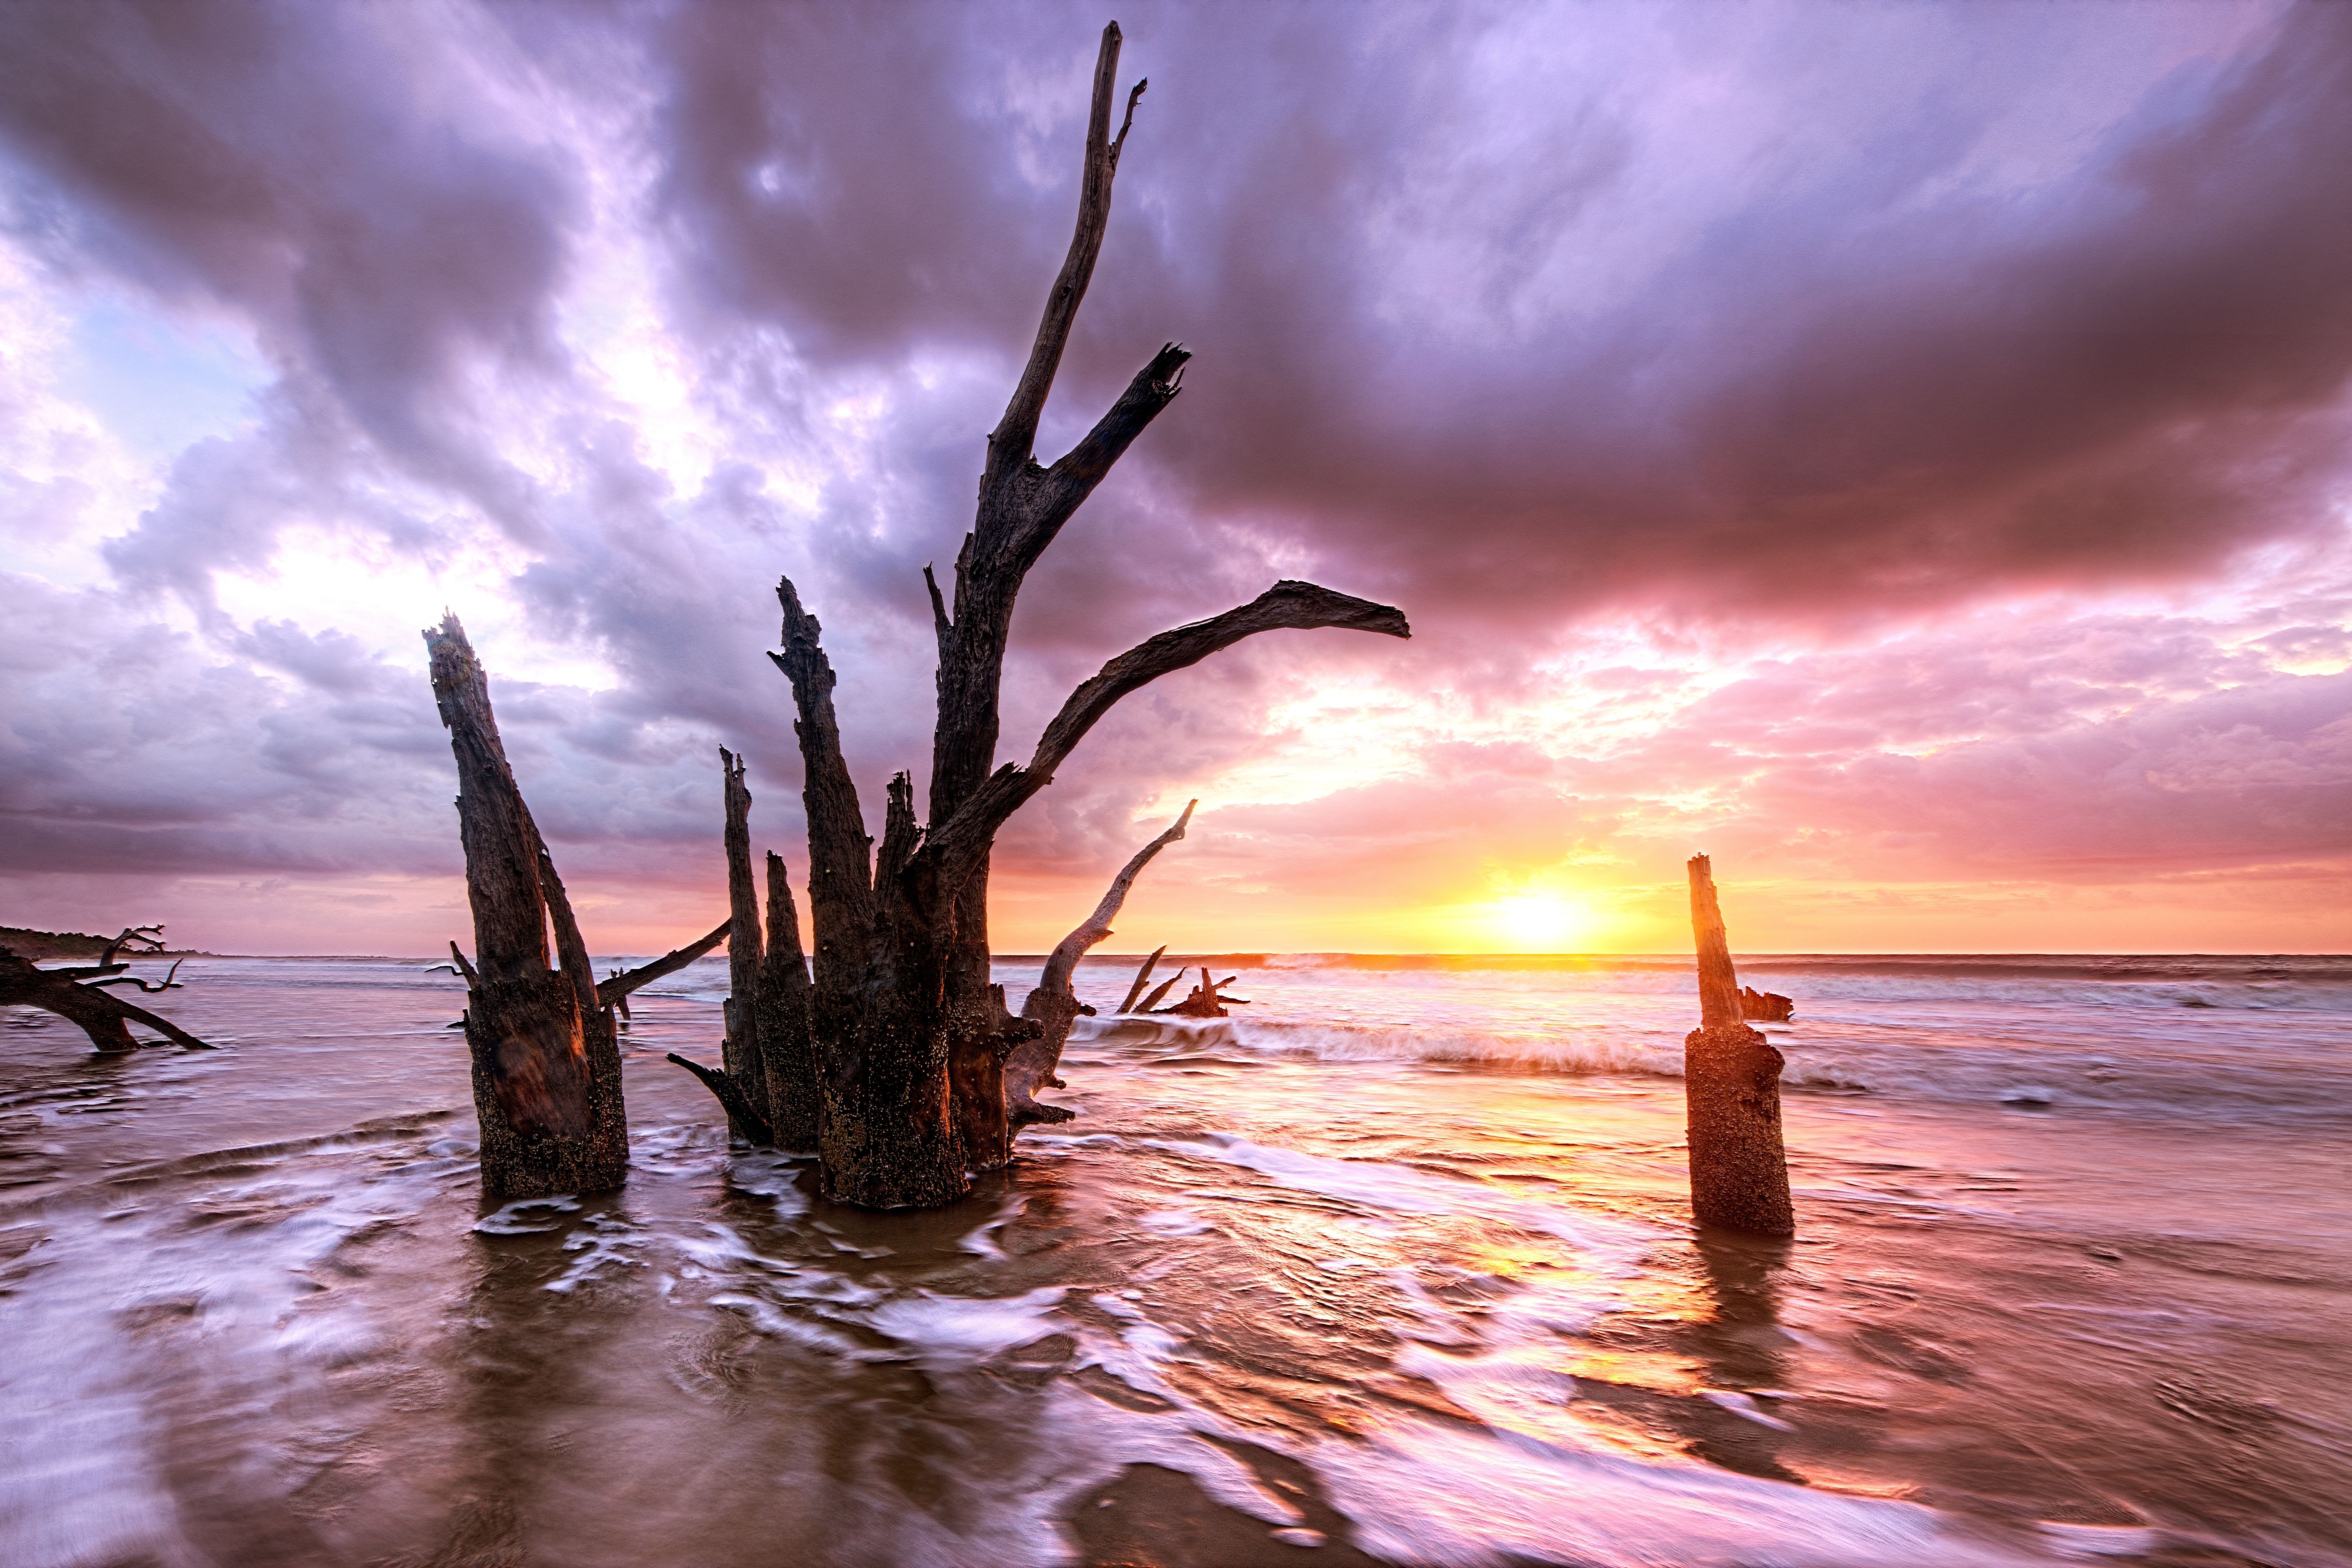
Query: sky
(1898, 450)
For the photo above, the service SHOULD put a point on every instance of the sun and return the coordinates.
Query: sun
(1536, 922)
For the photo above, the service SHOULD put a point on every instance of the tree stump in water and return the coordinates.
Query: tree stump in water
(546, 1058)
(1731, 1084)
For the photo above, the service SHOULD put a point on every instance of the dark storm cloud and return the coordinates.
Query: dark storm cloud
(291, 161)
(1497, 317)
(1888, 384)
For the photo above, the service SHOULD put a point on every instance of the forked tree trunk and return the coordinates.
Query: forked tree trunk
(546, 1060)
(1731, 1083)
(1053, 1004)
(911, 1037)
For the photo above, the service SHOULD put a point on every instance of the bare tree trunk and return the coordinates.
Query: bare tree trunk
(1731, 1082)
(911, 1037)
(785, 1047)
(1053, 1004)
(547, 1067)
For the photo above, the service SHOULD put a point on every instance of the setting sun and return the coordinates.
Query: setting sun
(1536, 922)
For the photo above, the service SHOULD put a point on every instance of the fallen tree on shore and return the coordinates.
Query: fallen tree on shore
(78, 993)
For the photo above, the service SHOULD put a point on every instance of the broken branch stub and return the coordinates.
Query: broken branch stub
(1731, 1084)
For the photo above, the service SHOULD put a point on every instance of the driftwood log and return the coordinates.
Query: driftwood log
(546, 1058)
(1731, 1083)
(911, 1037)
(78, 994)
(1054, 1006)
(1765, 1006)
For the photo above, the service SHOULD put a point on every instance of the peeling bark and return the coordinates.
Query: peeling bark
(1731, 1082)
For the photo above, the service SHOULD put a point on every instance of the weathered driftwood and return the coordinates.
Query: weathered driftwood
(1765, 1006)
(546, 1063)
(1206, 1000)
(1143, 978)
(911, 1038)
(745, 951)
(613, 990)
(1054, 1006)
(1731, 1084)
(75, 993)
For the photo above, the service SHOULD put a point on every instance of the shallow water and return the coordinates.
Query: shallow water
(1392, 1267)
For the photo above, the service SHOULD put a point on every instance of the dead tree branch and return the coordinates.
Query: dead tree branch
(614, 989)
(1054, 1005)
(102, 1016)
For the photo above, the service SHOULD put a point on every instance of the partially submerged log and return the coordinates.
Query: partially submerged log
(910, 1037)
(1731, 1084)
(77, 994)
(1054, 1006)
(1765, 1006)
(1206, 1000)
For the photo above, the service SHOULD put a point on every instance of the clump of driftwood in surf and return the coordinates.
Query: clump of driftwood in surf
(911, 1037)
(79, 992)
(1731, 1082)
(1209, 999)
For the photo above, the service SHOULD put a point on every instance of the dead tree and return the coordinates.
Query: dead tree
(910, 1037)
(546, 1059)
(1731, 1084)
(1054, 1006)
(76, 992)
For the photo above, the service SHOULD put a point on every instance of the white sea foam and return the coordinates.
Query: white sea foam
(947, 1330)
(1420, 1492)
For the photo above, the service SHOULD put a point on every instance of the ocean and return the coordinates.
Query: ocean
(1394, 1266)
